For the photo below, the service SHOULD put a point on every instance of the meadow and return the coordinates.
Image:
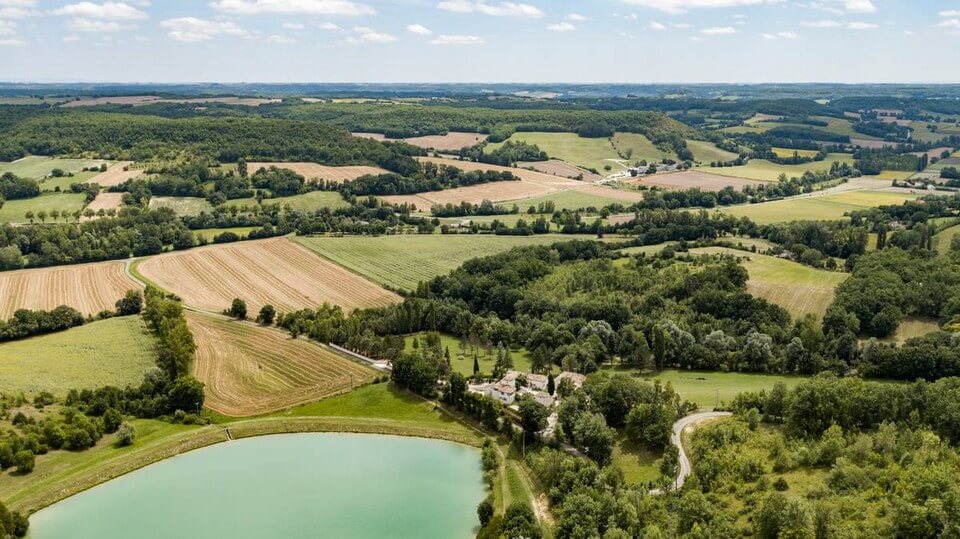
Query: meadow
(314, 171)
(573, 199)
(790, 152)
(116, 351)
(248, 369)
(817, 208)
(401, 262)
(797, 288)
(941, 241)
(182, 205)
(639, 148)
(15, 211)
(589, 153)
(88, 288)
(64, 182)
(763, 170)
(36, 167)
(706, 152)
(275, 271)
(462, 353)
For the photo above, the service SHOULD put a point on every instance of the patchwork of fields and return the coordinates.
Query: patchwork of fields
(88, 288)
(403, 261)
(116, 351)
(250, 370)
(275, 271)
(797, 288)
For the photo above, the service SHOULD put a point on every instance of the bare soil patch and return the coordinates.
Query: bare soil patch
(314, 171)
(690, 179)
(115, 174)
(274, 271)
(88, 288)
(449, 142)
(247, 369)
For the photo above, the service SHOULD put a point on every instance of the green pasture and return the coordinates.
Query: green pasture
(183, 206)
(817, 208)
(462, 352)
(706, 152)
(763, 170)
(14, 211)
(36, 167)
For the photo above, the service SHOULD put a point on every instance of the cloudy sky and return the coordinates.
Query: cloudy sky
(480, 40)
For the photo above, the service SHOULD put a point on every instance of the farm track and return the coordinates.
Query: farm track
(89, 288)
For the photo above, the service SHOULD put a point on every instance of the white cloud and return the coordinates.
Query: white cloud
(950, 23)
(7, 28)
(12, 42)
(561, 27)
(70, 39)
(719, 31)
(106, 10)
(683, 6)
(656, 26)
(419, 29)
(293, 26)
(780, 35)
(91, 25)
(369, 35)
(908, 32)
(282, 40)
(192, 29)
(857, 25)
(308, 7)
(502, 9)
(576, 17)
(328, 26)
(17, 9)
(859, 6)
(826, 23)
(950, 13)
(456, 40)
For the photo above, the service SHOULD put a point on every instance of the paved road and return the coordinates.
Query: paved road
(676, 440)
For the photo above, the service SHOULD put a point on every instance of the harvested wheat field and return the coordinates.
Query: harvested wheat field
(450, 142)
(275, 271)
(531, 184)
(560, 168)
(88, 288)
(694, 178)
(115, 174)
(247, 369)
(106, 201)
(314, 171)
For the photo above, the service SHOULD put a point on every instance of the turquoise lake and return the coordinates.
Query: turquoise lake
(288, 485)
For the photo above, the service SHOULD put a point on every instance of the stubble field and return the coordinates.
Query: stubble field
(88, 288)
(314, 171)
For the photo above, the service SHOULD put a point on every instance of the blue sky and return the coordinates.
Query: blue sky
(633, 41)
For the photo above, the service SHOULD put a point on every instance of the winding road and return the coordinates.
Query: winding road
(676, 439)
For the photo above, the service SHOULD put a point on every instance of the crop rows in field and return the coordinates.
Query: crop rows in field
(88, 288)
(248, 369)
(276, 271)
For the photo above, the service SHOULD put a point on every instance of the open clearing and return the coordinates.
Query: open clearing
(785, 153)
(763, 170)
(403, 261)
(247, 369)
(706, 152)
(912, 327)
(573, 199)
(115, 174)
(36, 167)
(106, 201)
(703, 388)
(690, 179)
(116, 351)
(560, 168)
(275, 271)
(15, 211)
(183, 206)
(590, 153)
(531, 184)
(639, 147)
(88, 288)
(797, 288)
(941, 241)
(817, 208)
(462, 353)
(314, 171)
(308, 202)
(51, 184)
(450, 142)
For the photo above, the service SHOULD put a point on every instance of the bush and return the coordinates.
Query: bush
(126, 434)
(485, 511)
(238, 309)
(267, 315)
(781, 484)
(130, 303)
(24, 460)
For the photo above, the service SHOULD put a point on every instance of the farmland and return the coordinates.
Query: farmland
(182, 205)
(88, 288)
(403, 261)
(115, 174)
(210, 233)
(37, 167)
(560, 168)
(638, 147)
(817, 208)
(941, 241)
(309, 202)
(696, 179)
(116, 351)
(106, 201)
(759, 169)
(64, 182)
(15, 211)
(452, 141)
(575, 199)
(249, 370)
(590, 153)
(462, 353)
(274, 271)
(790, 152)
(313, 171)
(706, 152)
(797, 288)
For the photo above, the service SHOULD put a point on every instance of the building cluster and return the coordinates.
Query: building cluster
(515, 385)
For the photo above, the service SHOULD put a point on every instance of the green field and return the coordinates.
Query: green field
(641, 147)
(706, 152)
(817, 208)
(14, 211)
(311, 201)
(114, 352)
(590, 153)
(462, 358)
(789, 152)
(763, 170)
(402, 262)
(567, 200)
(704, 388)
(912, 327)
(797, 288)
(37, 167)
(182, 205)
(942, 240)
(64, 183)
(210, 233)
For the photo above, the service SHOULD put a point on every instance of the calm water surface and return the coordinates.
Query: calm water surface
(290, 486)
